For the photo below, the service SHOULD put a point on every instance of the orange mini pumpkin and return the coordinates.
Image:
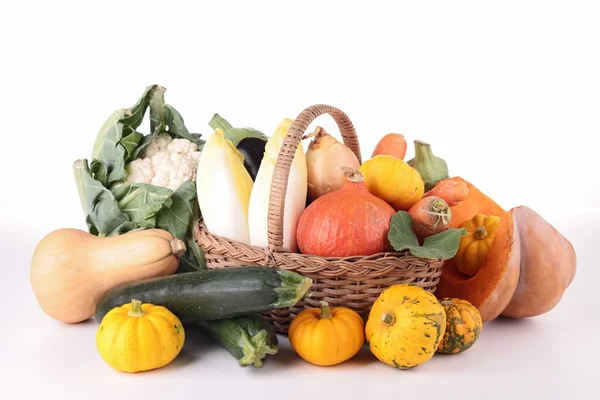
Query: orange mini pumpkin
(474, 246)
(327, 336)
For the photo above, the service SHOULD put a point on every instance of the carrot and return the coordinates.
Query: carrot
(430, 215)
(450, 191)
(392, 144)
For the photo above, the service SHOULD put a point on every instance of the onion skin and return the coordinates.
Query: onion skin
(325, 158)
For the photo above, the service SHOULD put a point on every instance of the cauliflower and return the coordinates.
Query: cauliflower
(165, 162)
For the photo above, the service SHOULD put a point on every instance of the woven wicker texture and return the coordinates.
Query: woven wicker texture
(353, 282)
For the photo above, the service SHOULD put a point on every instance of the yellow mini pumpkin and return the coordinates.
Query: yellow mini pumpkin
(405, 326)
(474, 246)
(327, 336)
(463, 325)
(139, 337)
(393, 180)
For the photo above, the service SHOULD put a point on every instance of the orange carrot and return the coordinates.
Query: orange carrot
(450, 191)
(392, 144)
(430, 215)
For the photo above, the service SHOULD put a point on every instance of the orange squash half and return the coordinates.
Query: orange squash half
(476, 202)
(529, 266)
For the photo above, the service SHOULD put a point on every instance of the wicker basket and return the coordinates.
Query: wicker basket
(353, 282)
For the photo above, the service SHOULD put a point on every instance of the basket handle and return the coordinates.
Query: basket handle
(281, 173)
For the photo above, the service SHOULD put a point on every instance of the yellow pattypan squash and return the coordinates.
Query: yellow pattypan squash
(139, 337)
(473, 247)
(393, 180)
(405, 326)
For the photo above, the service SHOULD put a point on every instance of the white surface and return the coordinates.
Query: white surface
(506, 93)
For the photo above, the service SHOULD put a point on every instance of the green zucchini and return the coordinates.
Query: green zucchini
(249, 338)
(212, 294)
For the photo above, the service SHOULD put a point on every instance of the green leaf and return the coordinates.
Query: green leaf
(128, 227)
(107, 148)
(443, 245)
(175, 217)
(235, 135)
(157, 112)
(121, 124)
(142, 201)
(179, 219)
(193, 259)
(102, 213)
(99, 172)
(176, 127)
(165, 118)
(130, 143)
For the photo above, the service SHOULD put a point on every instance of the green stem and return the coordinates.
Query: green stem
(292, 289)
(389, 318)
(325, 310)
(218, 122)
(423, 151)
(136, 309)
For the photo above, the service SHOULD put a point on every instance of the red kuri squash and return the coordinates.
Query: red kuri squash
(347, 222)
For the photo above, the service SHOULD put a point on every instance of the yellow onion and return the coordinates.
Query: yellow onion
(325, 158)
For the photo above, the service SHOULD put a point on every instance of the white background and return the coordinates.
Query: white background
(507, 92)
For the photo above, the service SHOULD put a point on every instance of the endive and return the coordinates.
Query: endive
(295, 199)
(224, 188)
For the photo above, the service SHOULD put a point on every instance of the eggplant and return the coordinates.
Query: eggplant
(253, 150)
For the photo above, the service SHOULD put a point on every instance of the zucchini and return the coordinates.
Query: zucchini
(212, 294)
(249, 338)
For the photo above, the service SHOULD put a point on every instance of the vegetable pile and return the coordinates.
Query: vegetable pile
(139, 272)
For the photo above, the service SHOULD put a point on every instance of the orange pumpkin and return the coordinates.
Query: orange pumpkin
(475, 203)
(528, 268)
(350, 221)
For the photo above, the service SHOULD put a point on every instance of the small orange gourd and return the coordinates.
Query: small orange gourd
(473, 247)
(463, 326)
(327, 336)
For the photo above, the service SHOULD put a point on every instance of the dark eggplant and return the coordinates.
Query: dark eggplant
(253, 150)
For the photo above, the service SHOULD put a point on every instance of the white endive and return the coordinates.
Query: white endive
(224, 188)
(295, 199)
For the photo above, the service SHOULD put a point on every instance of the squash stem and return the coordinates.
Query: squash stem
(389, 318)
(423, 151)
(325, 310)
(446, 303)
(480, 233)
(353, 175)
(293, 288)
(178, 248)
(136, 309)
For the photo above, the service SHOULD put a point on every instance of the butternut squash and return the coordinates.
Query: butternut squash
(71, 269)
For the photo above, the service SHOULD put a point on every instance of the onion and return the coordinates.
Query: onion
(325, 158)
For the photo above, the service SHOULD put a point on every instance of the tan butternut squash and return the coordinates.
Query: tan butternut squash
(71, 269)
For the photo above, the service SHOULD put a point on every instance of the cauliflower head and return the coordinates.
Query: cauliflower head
(165, 162)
